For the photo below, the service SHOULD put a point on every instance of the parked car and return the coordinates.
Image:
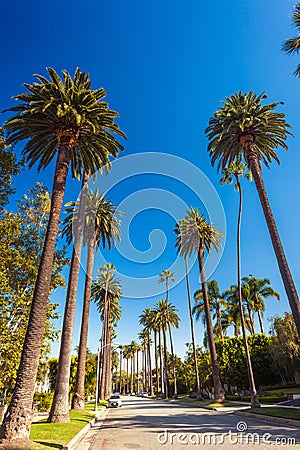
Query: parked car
(132, 393)
(114, 401)
(143, 394)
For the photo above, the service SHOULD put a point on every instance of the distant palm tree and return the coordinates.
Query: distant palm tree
(236, 170)
(167, 276)
(167, 318)
(292, 45)
(196, 234)
(216, 304)
(101, 226)
(106, 292)
(232, 314)
(66, 118)
(243, 128)
(127, 356)
(146, 319)
(259, 290)
(144, 338)
(120, 347)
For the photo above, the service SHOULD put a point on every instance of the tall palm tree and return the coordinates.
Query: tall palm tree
(101, 226)
(66, 118)
(198, 389)
(259, 290)
(216, 303)
(146, 319)
(106, 292)
(243, 128)
(127, 356)
(196, 234)
(167, 318)
(292, 45)
(120, 347)
(143, 336)
(236, 170)
(167, 276)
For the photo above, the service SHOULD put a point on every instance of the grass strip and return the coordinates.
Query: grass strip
(284, 413)
(55, 435)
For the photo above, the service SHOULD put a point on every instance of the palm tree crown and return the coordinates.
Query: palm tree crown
(243, 115)
(292, 45)
(194, 232)
(63, 111)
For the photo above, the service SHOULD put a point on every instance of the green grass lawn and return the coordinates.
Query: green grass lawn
(284, 390)
(56, 435)
(205, 402)
(286, 413)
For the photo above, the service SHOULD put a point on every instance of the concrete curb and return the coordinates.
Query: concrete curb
(294, 423)
(74, 441)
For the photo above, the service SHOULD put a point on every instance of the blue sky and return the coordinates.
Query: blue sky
(166, 66)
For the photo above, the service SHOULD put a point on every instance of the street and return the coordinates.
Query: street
(147, 424)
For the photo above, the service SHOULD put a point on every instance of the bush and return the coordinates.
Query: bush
(42, 401)
(269, 399)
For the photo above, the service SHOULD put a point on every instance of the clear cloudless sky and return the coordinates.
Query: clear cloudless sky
(166, 66)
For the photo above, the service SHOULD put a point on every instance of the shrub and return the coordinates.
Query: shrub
(42, 401)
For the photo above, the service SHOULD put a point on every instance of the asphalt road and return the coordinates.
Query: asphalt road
(146, 424)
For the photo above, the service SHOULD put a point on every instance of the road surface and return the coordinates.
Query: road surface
(146, 424)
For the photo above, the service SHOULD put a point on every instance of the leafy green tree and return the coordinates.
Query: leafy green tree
(22, 236)
(9, 167)
(67, 118)
(245, 130)
(196, 234)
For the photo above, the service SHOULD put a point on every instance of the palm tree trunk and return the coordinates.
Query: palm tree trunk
(251, 319)
(156, 361)
(275, 238)
(78, 397)
(219, 323)
(254, 397)
(60, 405)
(162, 374)
(137, 371)
(150, 364)
(108, 379)
(127, 375)
(105, 342)
(218, 390)
(198, 390)
(173, 362)
(18, 417)
(120, 373)
(166, 377)
(260, 321)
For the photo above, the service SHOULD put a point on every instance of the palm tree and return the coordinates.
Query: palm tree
(68, 118)
(120, 347)
(216, 302)
(196, 234)
(232, 314)
(101, 225)
(198, 389)
(143, 336)
(127, 356)
(292, 45)
(243, 128)
(166, 317)
(259, 290)
(237, 169)
(106, 292)
(146, 319)
(167, 276)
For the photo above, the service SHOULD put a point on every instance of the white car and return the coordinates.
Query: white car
(143, 394)
(114, 401)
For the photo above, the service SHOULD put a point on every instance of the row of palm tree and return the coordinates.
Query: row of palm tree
(65, 117)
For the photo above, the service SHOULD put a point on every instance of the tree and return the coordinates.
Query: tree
(22, 235)
(244, 129)
(216, 303)
(9, 167)
(167, 276)
(106, 292)
(259, 290)
(237, 169)
(292, 45)
(68, 118)
(196, 234)
(101, 226)
(167, 317)
(146, 319)
(232, 313)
